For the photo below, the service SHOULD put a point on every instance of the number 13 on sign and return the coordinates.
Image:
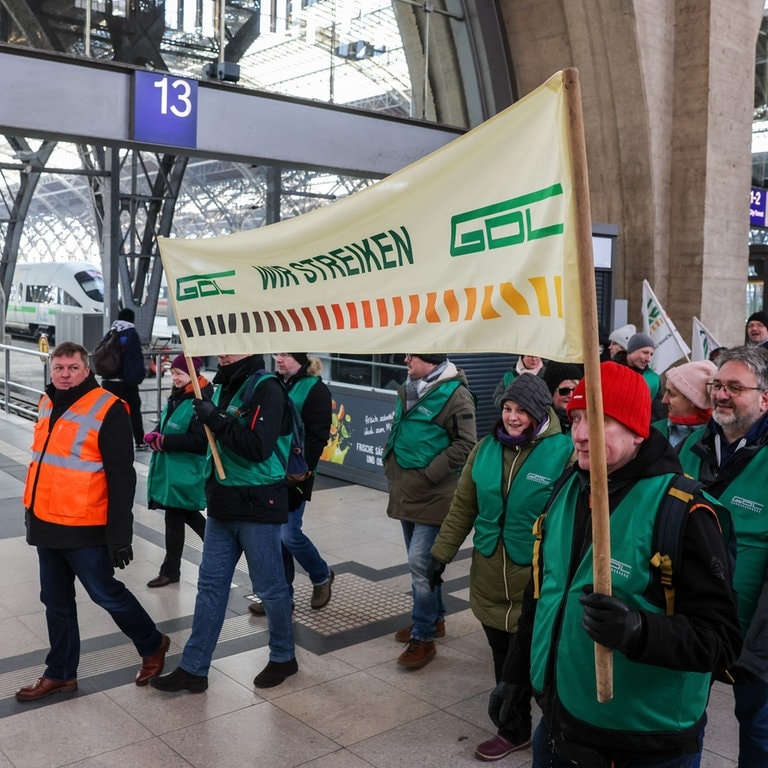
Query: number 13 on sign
(164, 110)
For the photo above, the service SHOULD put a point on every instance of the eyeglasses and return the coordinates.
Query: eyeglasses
(732, 390)
(563, 391)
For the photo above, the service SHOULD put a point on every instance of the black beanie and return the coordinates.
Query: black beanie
(300, 357)
(556, 372)
(435, 358)
(760, 317)
(530, 393)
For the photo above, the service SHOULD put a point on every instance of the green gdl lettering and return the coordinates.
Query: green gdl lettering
(202, 286)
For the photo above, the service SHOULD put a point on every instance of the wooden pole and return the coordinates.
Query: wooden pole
(601, 535)
(208, 433)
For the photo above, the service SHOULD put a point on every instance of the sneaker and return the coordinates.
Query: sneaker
(275, 672)
(180, 680)
(404, 635)
(418, 654)
(321, 593)
(497, 748)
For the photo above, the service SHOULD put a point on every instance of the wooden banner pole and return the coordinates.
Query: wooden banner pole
(211, 441)
(601, 537)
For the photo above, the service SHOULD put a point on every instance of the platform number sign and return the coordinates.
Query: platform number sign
(165, 109)
(757, 207)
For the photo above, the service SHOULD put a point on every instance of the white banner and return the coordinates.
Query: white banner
(471, 249)
(670, 346)
(702, 341)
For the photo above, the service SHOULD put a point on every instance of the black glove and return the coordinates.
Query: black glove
(434, 572)
(121, 555)
(208, 413)
(610, 622)
(501, 705)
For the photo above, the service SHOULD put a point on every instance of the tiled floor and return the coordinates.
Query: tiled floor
(350, 705)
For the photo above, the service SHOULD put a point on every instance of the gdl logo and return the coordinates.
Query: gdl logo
(510, 222)
(202, 286)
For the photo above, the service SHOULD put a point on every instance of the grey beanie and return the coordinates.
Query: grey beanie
(531, 394)
(640, 340)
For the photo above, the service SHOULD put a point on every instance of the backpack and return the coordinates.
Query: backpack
(107, 358)
(297, 469)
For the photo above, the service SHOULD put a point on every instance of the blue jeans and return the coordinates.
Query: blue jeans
(224, 542)
(299, 545)
(750, 694)
(93, 566)
(428, 606)
(544, 756)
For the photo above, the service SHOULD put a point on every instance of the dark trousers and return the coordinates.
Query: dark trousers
(93, 566)
(519, 728)
(175, 521)
(131, 396)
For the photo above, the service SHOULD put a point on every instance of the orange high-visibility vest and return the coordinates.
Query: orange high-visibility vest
(67, 462)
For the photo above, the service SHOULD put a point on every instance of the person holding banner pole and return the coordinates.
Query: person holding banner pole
(663, 664)
(251, 421)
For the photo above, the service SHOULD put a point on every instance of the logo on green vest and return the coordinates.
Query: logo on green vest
(202, 286)
(620, 569)
(510, 222)
(748, 504)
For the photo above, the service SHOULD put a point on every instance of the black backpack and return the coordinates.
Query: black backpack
(107, 358)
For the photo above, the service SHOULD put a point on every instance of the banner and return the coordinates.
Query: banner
(702, 341)
(670, 346)
(471, 249)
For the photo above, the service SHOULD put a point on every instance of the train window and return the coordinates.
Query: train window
(41, 294)
(67, 300)
(92, 283)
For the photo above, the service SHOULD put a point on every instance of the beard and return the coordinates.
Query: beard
(734, 422)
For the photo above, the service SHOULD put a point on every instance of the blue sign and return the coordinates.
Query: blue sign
(165, 109)
(757, 207)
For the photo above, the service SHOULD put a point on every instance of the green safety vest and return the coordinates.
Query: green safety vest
(177, 478)
(415, 437)
(744, 497)
(300, 389)
(241, 471)
(646, 698)
(530, 489)
(653, 380)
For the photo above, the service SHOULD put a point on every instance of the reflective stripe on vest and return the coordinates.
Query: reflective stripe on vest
(67, 456)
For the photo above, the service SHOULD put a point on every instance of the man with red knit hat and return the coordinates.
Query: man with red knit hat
(662, 664)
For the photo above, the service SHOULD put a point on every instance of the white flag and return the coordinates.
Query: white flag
(702, 340)
(670, 346)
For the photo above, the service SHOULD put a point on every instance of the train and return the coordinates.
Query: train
(40, 291)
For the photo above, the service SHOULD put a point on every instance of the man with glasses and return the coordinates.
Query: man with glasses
(730, 456)
(432, 434)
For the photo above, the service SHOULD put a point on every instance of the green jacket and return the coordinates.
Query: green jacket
(497, 581)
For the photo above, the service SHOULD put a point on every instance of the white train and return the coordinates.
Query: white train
(40, 291)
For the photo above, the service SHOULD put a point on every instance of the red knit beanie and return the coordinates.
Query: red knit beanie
(626, 397)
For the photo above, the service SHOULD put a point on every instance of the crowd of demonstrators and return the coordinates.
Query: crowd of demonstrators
(176, 479)
(502, 490)
(525, 364)
(730, 456)
(433, 432)
(78, 502)
(687, 399)
(757, 329)
(132, 373)
(618, 341)
(251, 421)
(301, 376)
(561, 380)
(663, 664)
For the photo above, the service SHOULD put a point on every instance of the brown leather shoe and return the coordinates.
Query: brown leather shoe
(45, 687)
(404, 635)
(417, 654)
(152, 666)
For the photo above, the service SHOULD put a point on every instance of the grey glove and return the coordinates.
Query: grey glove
(121, 555)
(610, 621)
(501, 705)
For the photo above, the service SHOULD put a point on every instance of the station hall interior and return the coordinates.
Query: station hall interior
(302, 103)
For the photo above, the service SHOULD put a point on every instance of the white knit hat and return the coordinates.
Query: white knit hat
(621, 336)
(690, 380)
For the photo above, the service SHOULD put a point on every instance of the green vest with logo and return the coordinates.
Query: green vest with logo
(646, 698)
(415, 437)
(239, 470)
(745, 499)
(530, 489)
(177, 479)
(300, 389)
(653, 380)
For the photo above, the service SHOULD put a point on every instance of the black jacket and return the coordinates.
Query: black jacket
(703, 634)
(116, 447)
(252, 441)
